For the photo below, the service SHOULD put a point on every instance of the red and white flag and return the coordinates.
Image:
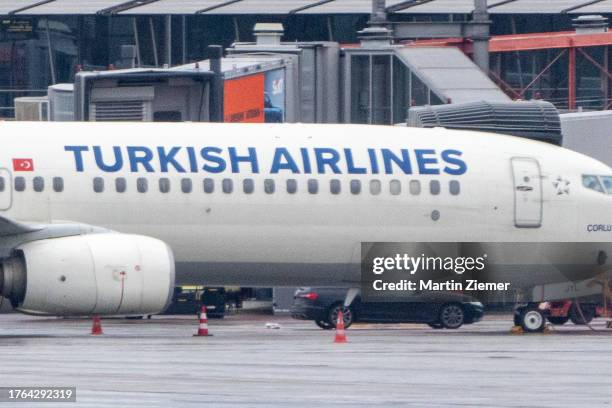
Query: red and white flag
(23, 165)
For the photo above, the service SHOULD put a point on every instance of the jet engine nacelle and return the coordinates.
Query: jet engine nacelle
(101, 274)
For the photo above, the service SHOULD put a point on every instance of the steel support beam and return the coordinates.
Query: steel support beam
(571, 80)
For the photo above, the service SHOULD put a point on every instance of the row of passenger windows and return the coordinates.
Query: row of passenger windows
(375, 187)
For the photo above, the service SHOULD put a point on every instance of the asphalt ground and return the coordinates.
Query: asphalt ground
(158, 363)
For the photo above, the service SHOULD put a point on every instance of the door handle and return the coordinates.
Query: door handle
(524, 188)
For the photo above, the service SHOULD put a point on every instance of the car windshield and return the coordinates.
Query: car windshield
(602, 184)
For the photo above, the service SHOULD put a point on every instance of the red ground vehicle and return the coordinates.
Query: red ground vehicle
(561, 311)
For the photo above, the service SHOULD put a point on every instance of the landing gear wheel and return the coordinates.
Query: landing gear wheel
(324, 324)
(558, 320)
(532, 320)
(435, 325)
(452, 316)
(587, 310)
(347, 315)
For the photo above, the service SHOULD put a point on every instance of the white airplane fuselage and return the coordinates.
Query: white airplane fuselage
(504, 189)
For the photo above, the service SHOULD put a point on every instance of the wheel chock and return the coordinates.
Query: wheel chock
(517, 330)
(609, 324)
(548, 329)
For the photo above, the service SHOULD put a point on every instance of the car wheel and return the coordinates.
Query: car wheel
(347, 315)
(452, 316)
(558, 320)
(435, 325)
(324, 324)
(532, 319)
(587, 310)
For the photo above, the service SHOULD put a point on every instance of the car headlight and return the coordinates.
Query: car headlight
(477, 304)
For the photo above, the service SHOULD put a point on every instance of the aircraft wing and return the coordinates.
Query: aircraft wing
(12, 227)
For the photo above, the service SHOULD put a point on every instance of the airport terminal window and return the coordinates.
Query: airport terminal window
(291, 186)
(375, 187)
(227, 186)
(164, 185)
(58, 184)
(434, 187)
(313, 186)
(186, 185)
(209, 185)
(454, 187)
(20, 183)
(334, 186)
(269, 186)
(120, 185)
(98, 184)
(355, 186)
(592, 183)
(142, 185)
(395, 187)
(415, 187)
(38, 183)
(2, 184)
(248, 186)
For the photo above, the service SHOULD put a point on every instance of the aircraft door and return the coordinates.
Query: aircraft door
(527, 192)
(5, 189)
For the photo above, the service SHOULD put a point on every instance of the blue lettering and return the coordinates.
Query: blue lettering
(193, 163)
(331, 161)
(140, 155)
(305, 160)
(452, 157)
(373, 161)
(118, 164)
(166, 158)
(283, 161)
(350, 164)
(423, 161)
(403, 163)
(78, 155)
(250, 158)
(207, 154)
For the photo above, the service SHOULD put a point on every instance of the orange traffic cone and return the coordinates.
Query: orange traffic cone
(203, 328)
(340, 332)
(96, 329)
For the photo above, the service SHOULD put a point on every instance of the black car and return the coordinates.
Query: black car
(437, 309)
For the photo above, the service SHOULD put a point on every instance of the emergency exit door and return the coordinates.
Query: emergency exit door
(5, 189)
(527, 192)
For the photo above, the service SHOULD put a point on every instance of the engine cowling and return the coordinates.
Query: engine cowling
(95, 274)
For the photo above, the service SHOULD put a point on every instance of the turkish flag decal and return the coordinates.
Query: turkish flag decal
(23, 165)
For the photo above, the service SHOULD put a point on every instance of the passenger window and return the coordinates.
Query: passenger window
(164, 185)
(58, 184)
(98, 184)
(592, 182)
(395, 187)
(334, 186)
(291, 186)
(186, 185)
(434, 187)
(269, 186)
(2, 184)
(313, 186)
(248, 186)
(454, 187)
(142, 185)
(355, 186)
(38, 184)
(120, 185)
(415, 187)
(209, 185)
(227, 186)
(20, 183)
(375, 187)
